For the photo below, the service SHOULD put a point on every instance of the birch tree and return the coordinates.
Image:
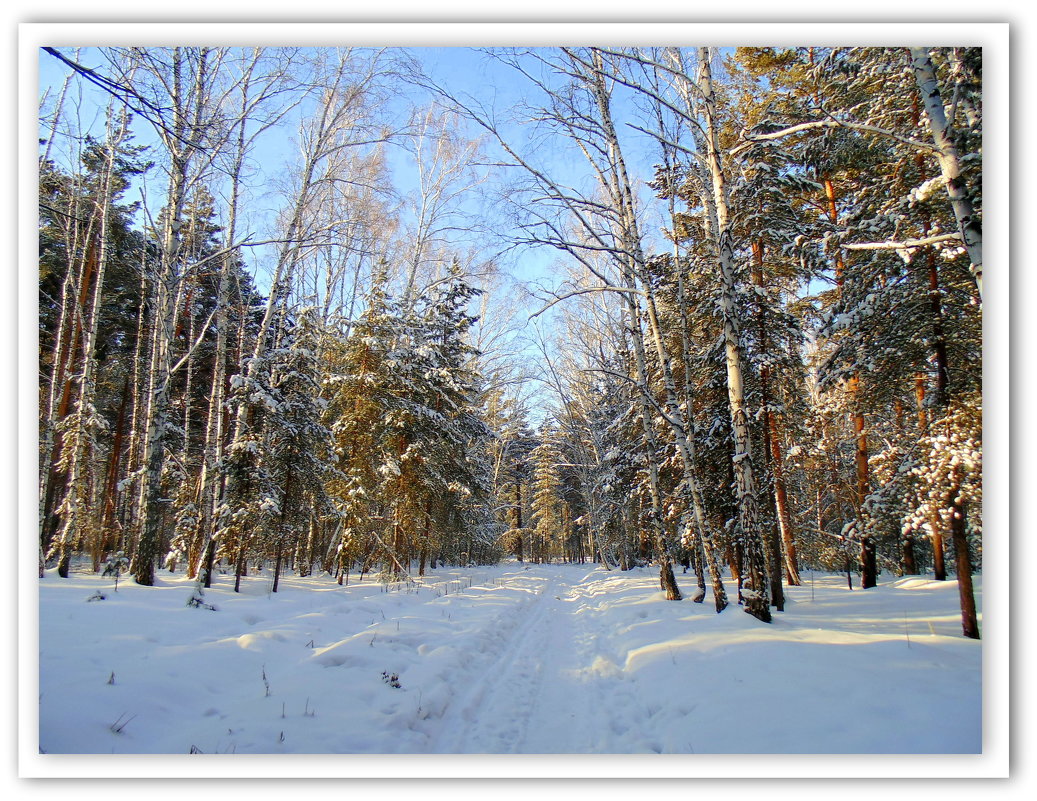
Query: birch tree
(72, 408)
(340, 122)
(946, 150)
(186, 82)
(261, 80)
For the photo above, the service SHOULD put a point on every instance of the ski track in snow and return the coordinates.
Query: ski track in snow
(522, 703)
(507, 686)
(511, 659)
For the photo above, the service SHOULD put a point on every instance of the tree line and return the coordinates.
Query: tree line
(765, 345)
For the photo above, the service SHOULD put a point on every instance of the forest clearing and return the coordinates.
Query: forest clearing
(542, 659)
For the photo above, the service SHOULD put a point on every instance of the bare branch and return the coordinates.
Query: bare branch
(905, 244)
(123, 93)
(830, 123)
(619, 289)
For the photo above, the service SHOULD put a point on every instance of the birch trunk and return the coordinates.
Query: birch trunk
(757, 600)
(631, 246)
(699, 536)
(167, 286)
(76, 509)
(212, 454)
(969, 224)
(634, 265)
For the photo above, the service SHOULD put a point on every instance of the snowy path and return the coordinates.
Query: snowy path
(524, 703)
(509, 659)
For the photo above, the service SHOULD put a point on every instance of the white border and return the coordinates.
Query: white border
(410, 34)
(994, 37)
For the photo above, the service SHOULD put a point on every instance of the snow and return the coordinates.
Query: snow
(513, 658)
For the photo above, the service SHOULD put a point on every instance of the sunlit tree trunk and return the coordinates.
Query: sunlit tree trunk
(772, 460)
(868, 557)
(76, 510)
(963, 565)
(969, 224)
(757, 600)
(166, 290)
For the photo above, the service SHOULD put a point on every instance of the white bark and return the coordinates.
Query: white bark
(79, 231)
(76, 508)
(745, 481)
(188, 108)
(969, 223)
(208, 494)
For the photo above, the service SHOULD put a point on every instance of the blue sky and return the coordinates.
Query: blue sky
(460, 70)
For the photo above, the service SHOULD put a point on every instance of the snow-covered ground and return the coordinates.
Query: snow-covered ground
(509, 659)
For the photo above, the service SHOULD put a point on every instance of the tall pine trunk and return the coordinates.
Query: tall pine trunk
(963, 565)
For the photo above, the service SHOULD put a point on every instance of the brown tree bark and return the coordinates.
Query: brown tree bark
(908, 563)
(963, 565)
(773, 458)
(935, 526)
(277, 566)
(869, 565)
(112, 475)
(518, 519)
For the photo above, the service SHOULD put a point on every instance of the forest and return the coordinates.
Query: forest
(368, 314)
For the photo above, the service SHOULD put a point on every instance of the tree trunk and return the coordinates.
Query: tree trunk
(757, 602)
(134, 452)
(869, 564)
(969, 224)
(935, 526)
(781, 504)
(966, 596)
(869, 567)
(772, 463)
(518, 519)
(111, 485)
(239, 567)
(277, 566)
(168, 283)
(775, 560)
(209, 557)
(939, 557)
